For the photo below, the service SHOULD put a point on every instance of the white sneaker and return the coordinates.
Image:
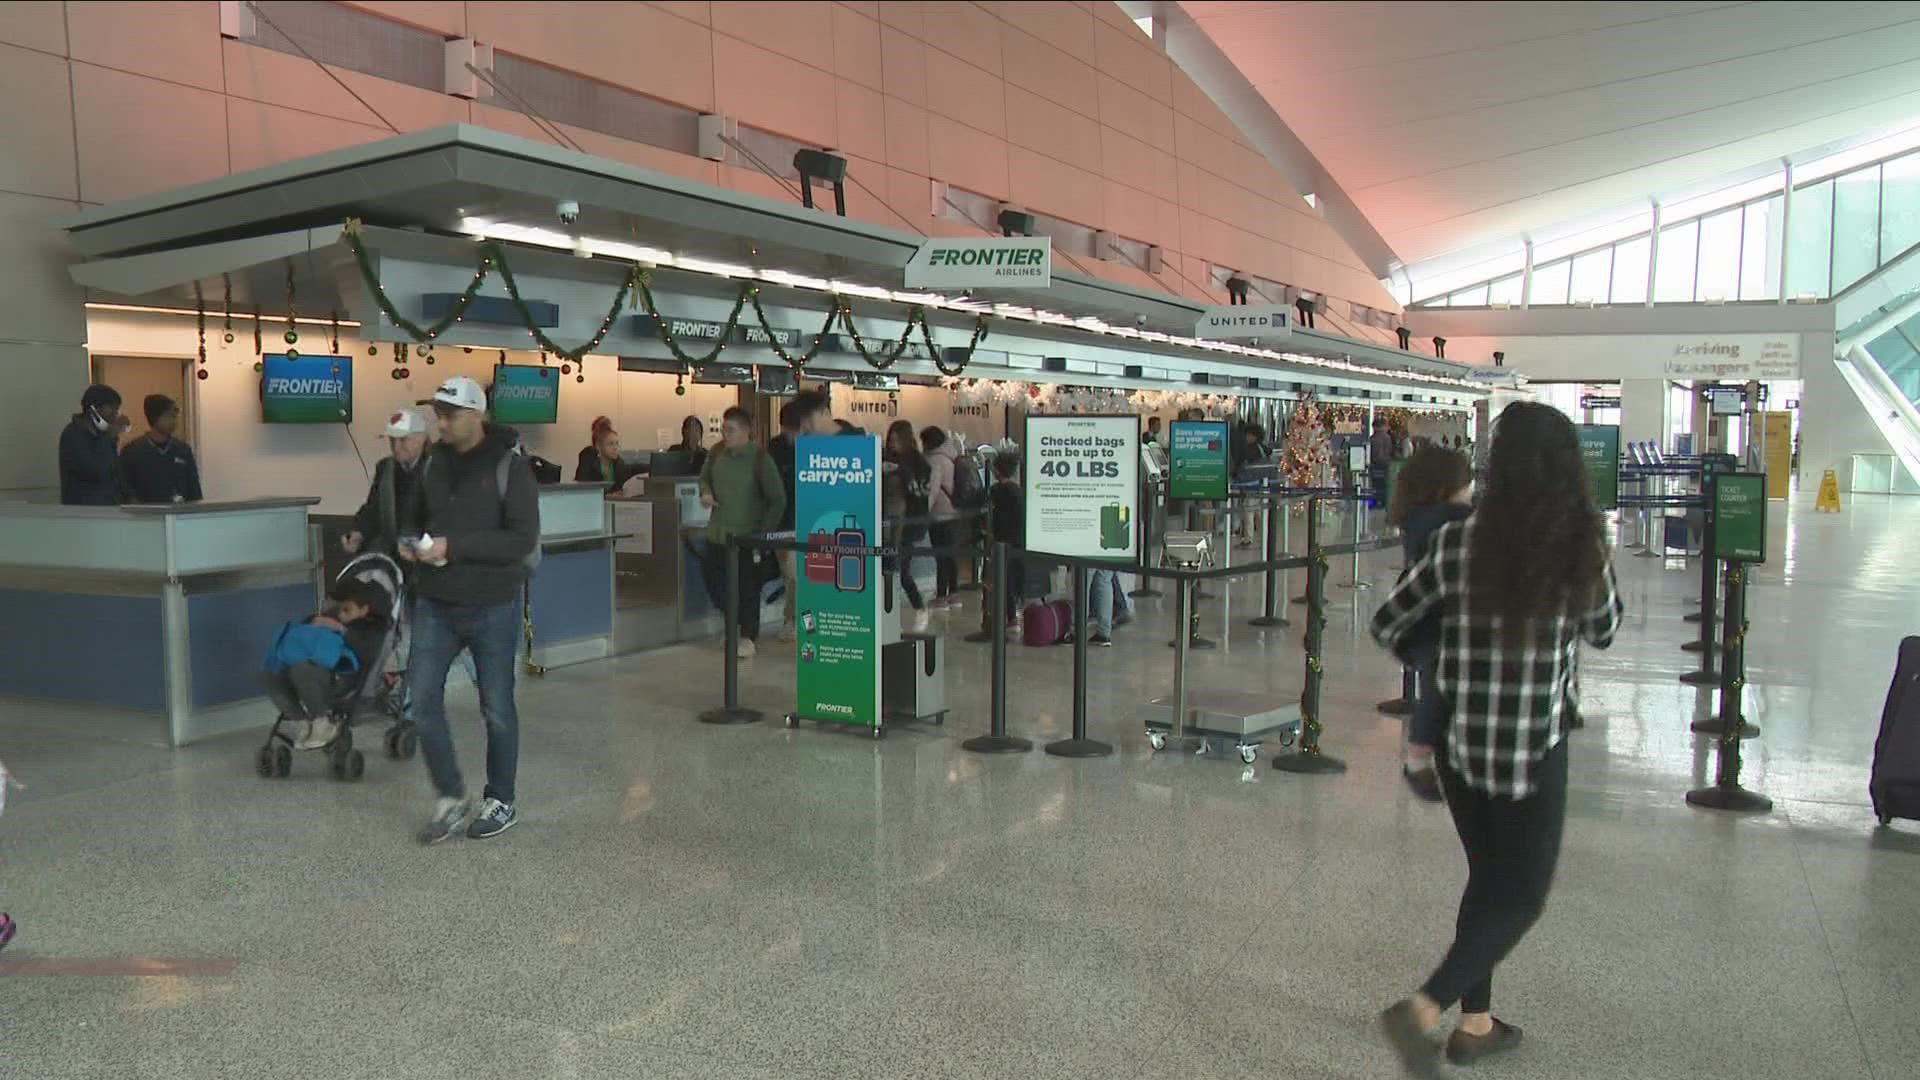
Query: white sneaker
(915, 621)
(747, 649)
(319, 734)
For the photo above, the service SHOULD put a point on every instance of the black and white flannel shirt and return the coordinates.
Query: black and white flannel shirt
(1508, 702)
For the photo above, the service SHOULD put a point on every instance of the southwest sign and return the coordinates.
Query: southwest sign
(1241, 321)
(1001, 262)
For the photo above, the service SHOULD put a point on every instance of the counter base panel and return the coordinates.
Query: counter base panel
(98, 650)
(228, 634)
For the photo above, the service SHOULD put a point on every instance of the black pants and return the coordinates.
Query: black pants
(946, 568)
(301, 692)
(908, 538)
(713, 570)
(1512, 847)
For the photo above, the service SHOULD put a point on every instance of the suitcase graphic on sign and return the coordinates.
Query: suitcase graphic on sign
(851, 573)
(819, 564)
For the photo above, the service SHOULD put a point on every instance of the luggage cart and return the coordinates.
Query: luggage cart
(1214, 716)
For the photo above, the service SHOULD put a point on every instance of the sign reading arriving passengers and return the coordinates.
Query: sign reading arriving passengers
(1024, 262)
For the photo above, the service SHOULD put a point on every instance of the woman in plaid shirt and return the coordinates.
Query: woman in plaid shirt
(1516, 587)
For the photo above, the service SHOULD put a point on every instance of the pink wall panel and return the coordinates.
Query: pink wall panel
(1038, 182)
(178, 42)
(1067, 27)
(138, 135)
(1052, 74)
(695, 10)
(1133, 214)
(1132, 162)
(261, 135)
(773, 92)
(869, 8)
(1127, 55)
(1190, 100)
(856, 47)
(274, 78)
(862, 120)
(1040, 125)
(907, 136)
(959, 91)
(907, 15)
(35, 24)
(44, 131)
(967, 157)
(964, 30)
(1126, 109)
(903, 64)
(798, 29)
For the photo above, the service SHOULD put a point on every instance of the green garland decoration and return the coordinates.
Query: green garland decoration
(889, 354)
(673, 344)
(526, 314)
(979, 334)
(385, 303)
(797, 363)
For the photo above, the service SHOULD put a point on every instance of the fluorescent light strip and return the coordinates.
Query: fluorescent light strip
(480, 227)
(143, 309)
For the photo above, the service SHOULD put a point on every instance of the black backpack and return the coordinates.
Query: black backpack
(969, 492)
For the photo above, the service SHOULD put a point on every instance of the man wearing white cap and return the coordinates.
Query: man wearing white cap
(376, 525)
(471, 527)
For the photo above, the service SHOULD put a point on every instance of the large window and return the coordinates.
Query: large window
(1856, 226)
(1899, 206)
(1549, 284)
(1589, 281)
(1673, 275)
(1760, 250)
(1717, 276)
(1810, 241)
(1630, 270)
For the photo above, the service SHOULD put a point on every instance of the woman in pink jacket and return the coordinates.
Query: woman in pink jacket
(944, 455)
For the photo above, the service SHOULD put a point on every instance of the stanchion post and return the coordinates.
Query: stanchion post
(1359, 523)
(997, 741)
(1306, 756)
(1703, 645)
(1270, 615)
(1183, 605)
(1079, 746)
(1146, 537)
(1706, 612)
(1726, 792)
(730, 711)
(1313, 542)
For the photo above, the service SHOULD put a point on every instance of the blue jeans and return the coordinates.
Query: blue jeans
(1102, 587)
(492, 635)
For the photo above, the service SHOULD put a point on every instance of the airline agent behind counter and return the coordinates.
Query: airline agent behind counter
(158, 468)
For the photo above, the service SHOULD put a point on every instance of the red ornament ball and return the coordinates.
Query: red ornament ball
(201, 374)
(579, 378)
(566, 369)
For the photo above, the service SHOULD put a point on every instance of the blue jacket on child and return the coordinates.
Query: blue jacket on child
(304, 643)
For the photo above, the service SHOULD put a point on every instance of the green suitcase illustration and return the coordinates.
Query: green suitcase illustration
(1116, 526)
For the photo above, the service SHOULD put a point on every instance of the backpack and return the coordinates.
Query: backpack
(502, 473)
(969, 493)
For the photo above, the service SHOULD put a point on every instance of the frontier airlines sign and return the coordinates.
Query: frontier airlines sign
(1024, 262)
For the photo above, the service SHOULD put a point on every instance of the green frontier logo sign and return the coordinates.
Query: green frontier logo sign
(1022, 261)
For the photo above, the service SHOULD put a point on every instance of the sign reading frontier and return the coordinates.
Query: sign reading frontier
(1023, 261)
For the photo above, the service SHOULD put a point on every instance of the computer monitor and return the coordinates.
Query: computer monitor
(672, 463)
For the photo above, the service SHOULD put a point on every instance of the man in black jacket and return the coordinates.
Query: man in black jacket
(90, 450)
(160, 468)
(471, 530)
(376, 525)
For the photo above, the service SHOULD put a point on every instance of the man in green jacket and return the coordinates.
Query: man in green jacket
(741, 485)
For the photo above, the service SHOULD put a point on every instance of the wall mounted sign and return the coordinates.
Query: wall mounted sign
(1238, 322)
(999, 262)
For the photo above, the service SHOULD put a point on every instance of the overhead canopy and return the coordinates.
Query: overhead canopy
(237, 236)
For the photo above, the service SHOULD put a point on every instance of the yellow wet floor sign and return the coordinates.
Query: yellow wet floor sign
(1829, 493)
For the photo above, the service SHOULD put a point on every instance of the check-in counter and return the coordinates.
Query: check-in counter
(163, 611)
(662, 596)
(571, 592)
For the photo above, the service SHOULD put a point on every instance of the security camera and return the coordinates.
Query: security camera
(1140, 320)
(569, 212)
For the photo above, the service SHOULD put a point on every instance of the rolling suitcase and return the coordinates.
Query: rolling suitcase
(1894, 785)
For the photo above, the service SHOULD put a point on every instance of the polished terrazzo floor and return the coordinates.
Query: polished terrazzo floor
(690, 901)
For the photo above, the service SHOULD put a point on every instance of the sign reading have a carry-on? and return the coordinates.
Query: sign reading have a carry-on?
(836, 498)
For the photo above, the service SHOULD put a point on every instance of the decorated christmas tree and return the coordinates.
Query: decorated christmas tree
(1306, 458)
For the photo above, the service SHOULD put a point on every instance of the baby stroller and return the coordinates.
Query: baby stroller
(378, 689)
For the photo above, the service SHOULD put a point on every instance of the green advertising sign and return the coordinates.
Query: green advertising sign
(1740, 517)
(1600, 449)
(1197, 459)
(836, 495)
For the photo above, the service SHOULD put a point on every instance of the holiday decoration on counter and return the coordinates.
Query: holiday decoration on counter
(1306, 459)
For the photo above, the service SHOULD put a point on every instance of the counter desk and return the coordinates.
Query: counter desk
(161, 611)
(571, 593)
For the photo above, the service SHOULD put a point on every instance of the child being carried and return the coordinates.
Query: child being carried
(310, 658)
(1434, 487)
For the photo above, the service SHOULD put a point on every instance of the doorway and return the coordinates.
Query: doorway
(136, 378)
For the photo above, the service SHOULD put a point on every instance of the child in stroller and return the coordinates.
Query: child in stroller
(323, 671)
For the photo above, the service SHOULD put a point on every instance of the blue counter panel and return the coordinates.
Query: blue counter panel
(573, 596)
(228, 634)
(101, 650)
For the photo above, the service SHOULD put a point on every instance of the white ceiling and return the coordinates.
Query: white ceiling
(1454, 124)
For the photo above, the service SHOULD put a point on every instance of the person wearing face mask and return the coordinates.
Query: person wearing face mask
(90, 450)
(376, 525)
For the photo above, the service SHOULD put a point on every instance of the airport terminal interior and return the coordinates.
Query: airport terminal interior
(1073, 383)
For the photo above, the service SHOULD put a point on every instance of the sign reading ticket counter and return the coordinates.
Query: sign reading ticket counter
(836, 495)
(153, 611)
(1740, 517)
(1083, 485)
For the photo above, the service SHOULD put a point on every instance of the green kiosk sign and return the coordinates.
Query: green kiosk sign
(1600, 449)
(1197, 459)
(1740, 517)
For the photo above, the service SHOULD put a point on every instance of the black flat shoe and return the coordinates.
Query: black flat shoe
(1419, 1054)
(1424, 782)
(1465, 1049)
